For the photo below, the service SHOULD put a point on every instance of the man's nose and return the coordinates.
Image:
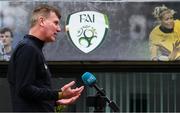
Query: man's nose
(58, 29)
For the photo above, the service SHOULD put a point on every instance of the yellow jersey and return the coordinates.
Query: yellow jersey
(162, 43)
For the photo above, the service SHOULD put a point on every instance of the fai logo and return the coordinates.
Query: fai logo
(87, 29)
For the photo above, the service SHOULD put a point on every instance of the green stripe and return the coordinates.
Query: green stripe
(106, 20)
(67, 21)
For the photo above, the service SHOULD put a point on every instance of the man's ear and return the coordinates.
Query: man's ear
(41, 21)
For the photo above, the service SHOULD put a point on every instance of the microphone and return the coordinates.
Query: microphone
(90, 80)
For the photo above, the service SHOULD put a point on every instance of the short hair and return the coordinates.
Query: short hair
(43, 10)
(6, 29)
(159, 11)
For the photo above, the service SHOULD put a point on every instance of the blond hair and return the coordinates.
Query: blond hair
(43, 10)
(159, 11)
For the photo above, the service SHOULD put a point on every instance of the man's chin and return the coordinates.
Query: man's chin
(52, 39)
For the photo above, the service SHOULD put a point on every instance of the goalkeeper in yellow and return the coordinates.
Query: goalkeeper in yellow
(164, 39)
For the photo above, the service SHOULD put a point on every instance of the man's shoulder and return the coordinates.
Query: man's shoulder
(25, 48)
(23, 44)
(26, 43)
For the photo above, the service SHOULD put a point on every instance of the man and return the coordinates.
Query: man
(6, 38)
(28, 74)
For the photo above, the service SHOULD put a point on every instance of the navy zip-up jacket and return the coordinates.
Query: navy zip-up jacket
(30, 79)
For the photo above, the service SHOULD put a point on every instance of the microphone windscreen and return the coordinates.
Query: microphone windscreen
(89, 79)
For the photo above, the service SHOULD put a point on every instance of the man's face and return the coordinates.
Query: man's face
(6, 38)
(52, 27)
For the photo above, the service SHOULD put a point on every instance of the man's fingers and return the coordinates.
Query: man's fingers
(68, 85)
(81, 89)
(75, 98)
(78, 90)
(68, 101)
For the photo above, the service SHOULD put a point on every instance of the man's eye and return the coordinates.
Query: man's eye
(56, 23)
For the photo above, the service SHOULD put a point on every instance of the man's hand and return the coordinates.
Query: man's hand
(69, 95)
(67, 101)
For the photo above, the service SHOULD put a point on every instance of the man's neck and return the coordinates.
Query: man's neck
(36, 32)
